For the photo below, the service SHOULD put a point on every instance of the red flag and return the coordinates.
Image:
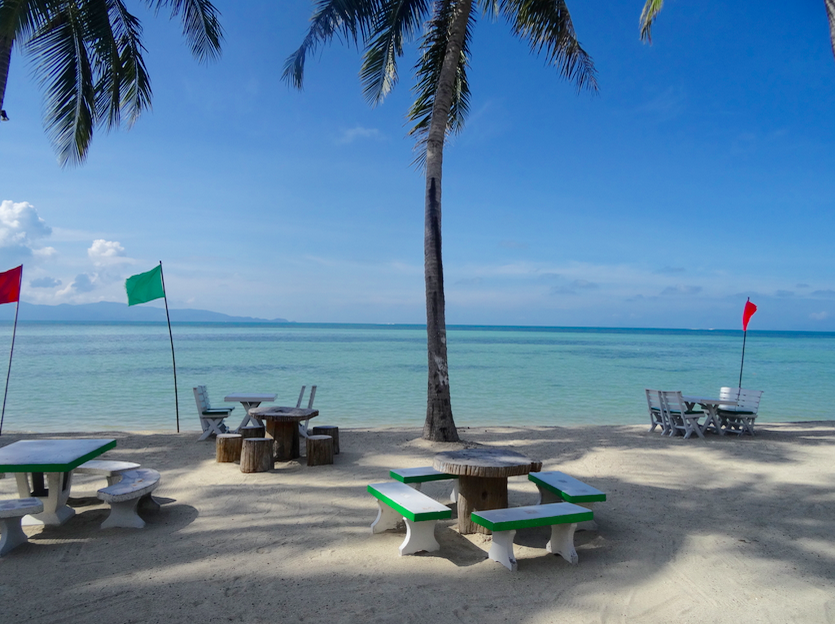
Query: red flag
(10, 285)
(747, 313)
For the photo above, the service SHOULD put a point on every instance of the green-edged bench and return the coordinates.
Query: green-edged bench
(561, 517)
(417, 476)
(555, 486)
(397, 500)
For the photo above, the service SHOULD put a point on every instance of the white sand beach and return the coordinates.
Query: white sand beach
(721, 530)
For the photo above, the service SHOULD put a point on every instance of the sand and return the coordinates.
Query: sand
(721, 530)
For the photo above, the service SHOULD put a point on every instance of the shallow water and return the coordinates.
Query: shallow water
(97, 376)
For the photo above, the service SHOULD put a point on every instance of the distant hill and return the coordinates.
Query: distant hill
(111, 311)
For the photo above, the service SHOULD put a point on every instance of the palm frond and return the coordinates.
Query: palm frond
(67, 74)
(121, 78)
(201, 25)
(20, 19)
(352, 19)
(398, 20)
(547, 25)
(830, 12)
(648, 15)
(428, 71)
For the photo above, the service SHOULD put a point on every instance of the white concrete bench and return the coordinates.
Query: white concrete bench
(112, 470)
(555, 487)
(417, 476)
(398, 501)
(561, 517)
(124, 497)
(11, 513)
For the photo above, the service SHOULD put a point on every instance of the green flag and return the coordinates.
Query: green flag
(145, 287)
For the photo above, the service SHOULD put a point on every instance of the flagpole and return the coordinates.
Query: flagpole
(742, 363)
(171, 336)
(11, 352)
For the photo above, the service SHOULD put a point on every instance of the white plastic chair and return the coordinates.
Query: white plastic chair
(303, 426)
(739, 418)
(679, 417)
(211, 418)
(656, 414)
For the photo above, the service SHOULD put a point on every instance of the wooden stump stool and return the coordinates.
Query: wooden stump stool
(253, 431)
(228, 447)
(330, 430)
(257, 455)
(319, 450)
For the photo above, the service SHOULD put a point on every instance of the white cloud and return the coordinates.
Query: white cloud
(819, 316)
(83, 283)
(20, 227)
(349, 136)
(104, 252)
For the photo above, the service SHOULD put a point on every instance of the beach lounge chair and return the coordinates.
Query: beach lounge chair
(211, 418)
(303, 426)
(679, 417)
(656, 414)
(739, 418)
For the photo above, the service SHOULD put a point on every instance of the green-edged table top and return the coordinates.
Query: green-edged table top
(532, 516)
(50, 455)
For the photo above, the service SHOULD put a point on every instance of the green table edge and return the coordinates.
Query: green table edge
(510, 525)
(60, 467)
(588, 498)
(438, 477)
(429, 515)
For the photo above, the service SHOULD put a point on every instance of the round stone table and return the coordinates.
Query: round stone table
(282, 424)
(482, 479)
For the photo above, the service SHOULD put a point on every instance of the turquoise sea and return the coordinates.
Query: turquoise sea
(98, 376)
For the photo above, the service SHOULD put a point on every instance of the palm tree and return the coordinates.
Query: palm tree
(652, 7)
(445, 28)
(89, 60)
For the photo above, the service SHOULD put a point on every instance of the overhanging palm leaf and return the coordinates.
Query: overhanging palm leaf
(398, 20)
(90, 60)
(353, 19)
(547, 25)
(648, 15)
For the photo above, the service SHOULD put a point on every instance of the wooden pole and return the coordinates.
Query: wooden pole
(171, 336)
(11, 352)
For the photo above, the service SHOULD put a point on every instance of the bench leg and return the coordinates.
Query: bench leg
(562, 542)
(546, 496)
(501, 549)
(124, 515)
(453, 497)
(588, 525)
(11, 535)
(419, 536)
(387, 518)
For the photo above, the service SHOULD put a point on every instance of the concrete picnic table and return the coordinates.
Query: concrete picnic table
(482, 479)
(56, 459)
(282, 424)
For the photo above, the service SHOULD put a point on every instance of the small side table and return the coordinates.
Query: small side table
(282, 425)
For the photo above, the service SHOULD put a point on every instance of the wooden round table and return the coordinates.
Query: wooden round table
(482, 479)
(282, 424)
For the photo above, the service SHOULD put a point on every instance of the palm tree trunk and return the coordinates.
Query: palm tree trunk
(439, 425)
(830, 12)
(5, 58)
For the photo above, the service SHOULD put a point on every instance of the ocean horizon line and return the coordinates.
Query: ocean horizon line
(449, 326)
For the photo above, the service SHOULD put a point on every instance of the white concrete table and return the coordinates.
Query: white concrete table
(56, 459)
(249, 400)
(711, 406)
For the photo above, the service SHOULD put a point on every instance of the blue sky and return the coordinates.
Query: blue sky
(700, 175)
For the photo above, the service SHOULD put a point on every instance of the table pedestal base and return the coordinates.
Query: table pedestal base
(285, 439)
(55, 510)
(479, 494)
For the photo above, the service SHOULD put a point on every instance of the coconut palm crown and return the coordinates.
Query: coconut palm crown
(88, 58)
(444, 29)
